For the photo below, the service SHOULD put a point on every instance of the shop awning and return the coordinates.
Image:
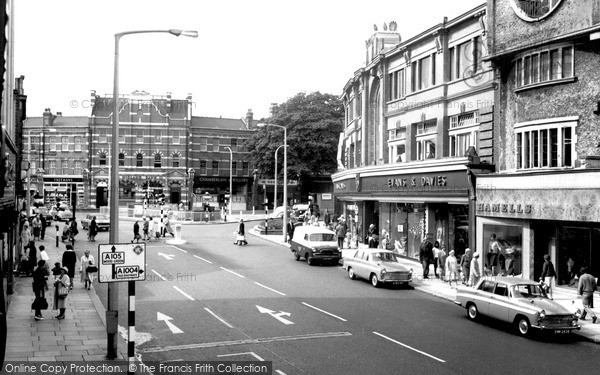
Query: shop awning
(449, 200)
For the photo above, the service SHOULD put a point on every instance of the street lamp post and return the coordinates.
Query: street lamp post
(113, 300)
(230, 178)
(285, 203)
(275, 197)
(191, 173)
(28, 194)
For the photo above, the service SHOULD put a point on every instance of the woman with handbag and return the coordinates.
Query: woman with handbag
(61, 291)
(87, 268)
(40, 277)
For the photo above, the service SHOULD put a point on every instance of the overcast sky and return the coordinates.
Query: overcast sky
(249, 53)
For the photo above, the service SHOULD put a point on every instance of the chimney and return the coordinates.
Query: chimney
(48, 117)
(249, 119)
(58, 113)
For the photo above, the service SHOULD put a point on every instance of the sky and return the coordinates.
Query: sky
(249, 53)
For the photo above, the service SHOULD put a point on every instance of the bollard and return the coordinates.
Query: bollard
(177, 240)
(57, 234)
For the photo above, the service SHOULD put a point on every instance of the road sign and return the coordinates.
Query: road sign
(121, 262)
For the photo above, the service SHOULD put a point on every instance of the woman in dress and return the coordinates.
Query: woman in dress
(63, 281)
(87, 269)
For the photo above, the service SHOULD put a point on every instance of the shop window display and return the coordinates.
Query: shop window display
(503, 246)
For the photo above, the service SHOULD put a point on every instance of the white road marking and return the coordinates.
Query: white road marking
(175, 247)
(218, 317)
(230, 271)
(207, 261)
(271, 289)
(280, 372)
(159, 275)
(410, 347)
(236, 354)
(166, 256)
(184, 293)
(167, 319)
(276, 315)
(324, 312)
(217, 344)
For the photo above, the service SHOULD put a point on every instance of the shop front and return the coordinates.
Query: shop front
(407, 207)
(544, 213)
(218, 187)
(63, 189)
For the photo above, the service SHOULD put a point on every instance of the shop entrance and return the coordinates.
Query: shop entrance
(101, 196)
(371, 217)
(175, 193)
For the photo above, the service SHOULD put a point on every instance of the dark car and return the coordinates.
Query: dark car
(46, 213)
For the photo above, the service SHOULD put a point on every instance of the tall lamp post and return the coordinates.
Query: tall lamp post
(191, 173)
(285, 203)
(113, 295)
(230, 178)
(275, 196)
(28, 194)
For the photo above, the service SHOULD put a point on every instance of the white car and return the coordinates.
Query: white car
(378, 266)
(315, 244)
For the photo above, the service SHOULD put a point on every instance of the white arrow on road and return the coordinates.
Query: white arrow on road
(174, 329)
(276, 315)
(167, 256)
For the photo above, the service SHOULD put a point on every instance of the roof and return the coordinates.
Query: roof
(59, 121)
(311, 229)
(218, 123)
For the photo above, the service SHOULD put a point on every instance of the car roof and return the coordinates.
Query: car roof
(371, 251)
(312, 229)
(513, 281)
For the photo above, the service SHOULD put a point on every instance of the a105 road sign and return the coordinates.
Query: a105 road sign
(121, 262)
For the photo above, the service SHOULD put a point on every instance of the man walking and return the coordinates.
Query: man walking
(340, 231)
(145, 228)
(587, 287)
(426, 256)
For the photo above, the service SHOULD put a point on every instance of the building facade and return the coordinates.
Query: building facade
(544, 197)
(412, 113)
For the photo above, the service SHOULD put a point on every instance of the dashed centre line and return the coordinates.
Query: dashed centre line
(324, 312)
(230, 271)
(409, 347)
(159, 275)
(184, 293)
(218, 317)
(175, 247)
(271, 289)
(206, 260)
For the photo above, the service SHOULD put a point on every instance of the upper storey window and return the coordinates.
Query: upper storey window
(549, 65)
(545, 144)
(397, 87)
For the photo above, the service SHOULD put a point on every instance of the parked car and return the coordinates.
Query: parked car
(378, 266)
(278, 213)
(46, 213)
(315, 244)
(64, 215)
(517, 301)
(103, 221)
(298, 210)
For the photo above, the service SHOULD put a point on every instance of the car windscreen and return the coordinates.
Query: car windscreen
(384, 257)
(319, 237)
(528, 291)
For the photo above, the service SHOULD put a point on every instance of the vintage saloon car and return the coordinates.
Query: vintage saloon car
(517, 301)
(379, 266)
(315, 244)
(102, 221)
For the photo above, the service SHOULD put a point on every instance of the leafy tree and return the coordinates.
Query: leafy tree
(313, 122)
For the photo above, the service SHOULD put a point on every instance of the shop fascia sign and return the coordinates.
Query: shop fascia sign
(507, 208)
(266, 181)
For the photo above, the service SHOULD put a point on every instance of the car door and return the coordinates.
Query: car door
(482, 296)
(358, 264)
(499, 302)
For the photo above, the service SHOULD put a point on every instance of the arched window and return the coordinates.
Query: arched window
(139, 160)
(102, 159)
(121, 159)
(175, 161)
(157, 161)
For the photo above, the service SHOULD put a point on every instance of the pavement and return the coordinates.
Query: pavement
(81, 336)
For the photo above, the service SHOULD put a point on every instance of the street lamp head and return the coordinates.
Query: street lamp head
(188, 33)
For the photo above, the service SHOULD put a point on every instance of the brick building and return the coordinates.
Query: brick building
(412, 112)
(544, 197)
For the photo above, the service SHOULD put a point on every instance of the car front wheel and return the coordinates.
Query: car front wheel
(351, 273)
(472, 312)
(374, 281)
(309, 260)
(523, 326)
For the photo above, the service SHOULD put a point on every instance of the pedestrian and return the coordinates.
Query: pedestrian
(436, 252)
(326, 217)
(340, 231)
(32, 255)
(43, 255)
(93, 229)
(136, 232)
(69, 259)
(146, 229)
(586, 288)
(426, 256)
(151, 233)
(290, 229)
(40, 279)
(465, 265)
(442, 264)
(87, 269)
(241, 234)
(451, 267)
(56, 270)
(37, 227)
(44, 225)
(510, 261)
(26, 236)
(62, 285)
(157, 228)
(73, 231)
(65, 232)
(168, 228)
(475, 271)
(548, 274)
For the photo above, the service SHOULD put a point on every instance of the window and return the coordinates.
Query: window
(139, 136)
(175, 160)
(551, 64)
(77, 167)
(102, 159)
(215, 168)
(102, 138)
(463, 133)
(244, 168)
(77, 143)
(234, 167)
(397, 84)
(53, 143)
(176, 139)
(121, 135)
(203, 144)
(65, 143)
(139, 160)
(466, 58)
(501, 290)
(157, 161)
(233, 144)
(203, 167)
(157, 136)
(400, 153)
(65, 167)
(426, 149)
(545, 145)
(487, 286)
(121, 159)
(52, 167)
(423, 73)
(215, 143)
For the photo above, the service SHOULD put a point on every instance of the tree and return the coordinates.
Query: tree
(314, 122)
